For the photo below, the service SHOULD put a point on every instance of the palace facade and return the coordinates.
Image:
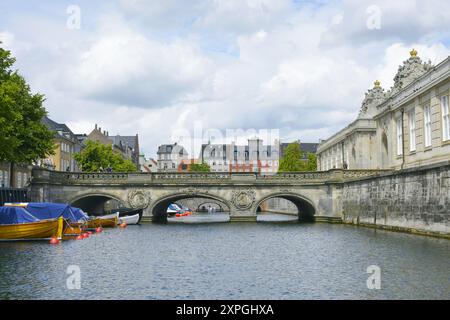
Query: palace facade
(255, 157)
(406, 126)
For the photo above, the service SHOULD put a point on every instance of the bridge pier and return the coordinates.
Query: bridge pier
(242, 216)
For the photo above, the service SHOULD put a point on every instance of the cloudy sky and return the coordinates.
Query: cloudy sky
(155, 67)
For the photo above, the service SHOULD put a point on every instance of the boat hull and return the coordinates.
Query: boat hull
(109, 221)
(40, 230)
(130, 219)
(72, 230)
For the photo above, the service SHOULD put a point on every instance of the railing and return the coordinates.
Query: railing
(354, 174)
(315, 175)
(191, 176)
(334, 175)
(13, 195)
(90, 176)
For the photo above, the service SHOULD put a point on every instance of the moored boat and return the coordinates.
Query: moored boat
(106, 221)
(16, 223)
(174, 209)
(123, 212)
(74, 219)
(130, 219)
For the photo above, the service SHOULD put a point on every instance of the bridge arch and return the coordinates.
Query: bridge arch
(305, 207)
(159, 207)
(204, 206)
(97, 203)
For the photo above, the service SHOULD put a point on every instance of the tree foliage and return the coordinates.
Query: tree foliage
(23, 137)
(96, 157)
(199, 167)
(312, 162)
(292, 160)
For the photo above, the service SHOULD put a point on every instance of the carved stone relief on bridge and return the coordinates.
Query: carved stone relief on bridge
(193, 191)
(243, 199)
(139, 198)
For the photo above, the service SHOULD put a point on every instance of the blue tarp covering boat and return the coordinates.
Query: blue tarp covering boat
(15, 215)
(79, 214)
(47, 210)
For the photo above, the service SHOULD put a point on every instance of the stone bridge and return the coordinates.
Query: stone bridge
(317, 195)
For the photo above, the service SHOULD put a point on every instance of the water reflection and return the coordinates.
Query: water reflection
(229, 261)
(225, 217)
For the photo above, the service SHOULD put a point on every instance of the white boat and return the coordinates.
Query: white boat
(134, 219)
(174, 209)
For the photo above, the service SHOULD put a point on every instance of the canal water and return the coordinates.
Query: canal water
(272, 260)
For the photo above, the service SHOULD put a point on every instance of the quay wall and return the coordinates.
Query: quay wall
(413, 200)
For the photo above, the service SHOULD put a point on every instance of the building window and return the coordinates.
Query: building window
(427, 125)
(445, 118)
(412, 130)
(399, 137)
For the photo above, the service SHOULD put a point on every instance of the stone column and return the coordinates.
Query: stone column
(242, 216)
(242, 208)
(147, 215)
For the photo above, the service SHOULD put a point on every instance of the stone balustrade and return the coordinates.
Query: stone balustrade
(334, 175)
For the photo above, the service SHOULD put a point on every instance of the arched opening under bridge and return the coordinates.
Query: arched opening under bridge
(290, 205)
(97, 204)
(159, 209)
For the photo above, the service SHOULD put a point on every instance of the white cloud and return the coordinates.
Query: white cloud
(155, 67)
(130, 69)
(7, 39)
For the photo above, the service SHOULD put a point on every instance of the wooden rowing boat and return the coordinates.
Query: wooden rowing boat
(43, 229)
(72, 230)
(108, 221)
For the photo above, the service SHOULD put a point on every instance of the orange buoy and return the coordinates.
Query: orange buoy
(177, 215)
(85, 235)
(123, 225)
(80, 237)
(99, 229)
(89, 232)
(54, 240)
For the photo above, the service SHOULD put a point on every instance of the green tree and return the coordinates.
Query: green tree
(97, 157)
(292, 159)
(312, 162)
(199, 167)
(23, 137)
